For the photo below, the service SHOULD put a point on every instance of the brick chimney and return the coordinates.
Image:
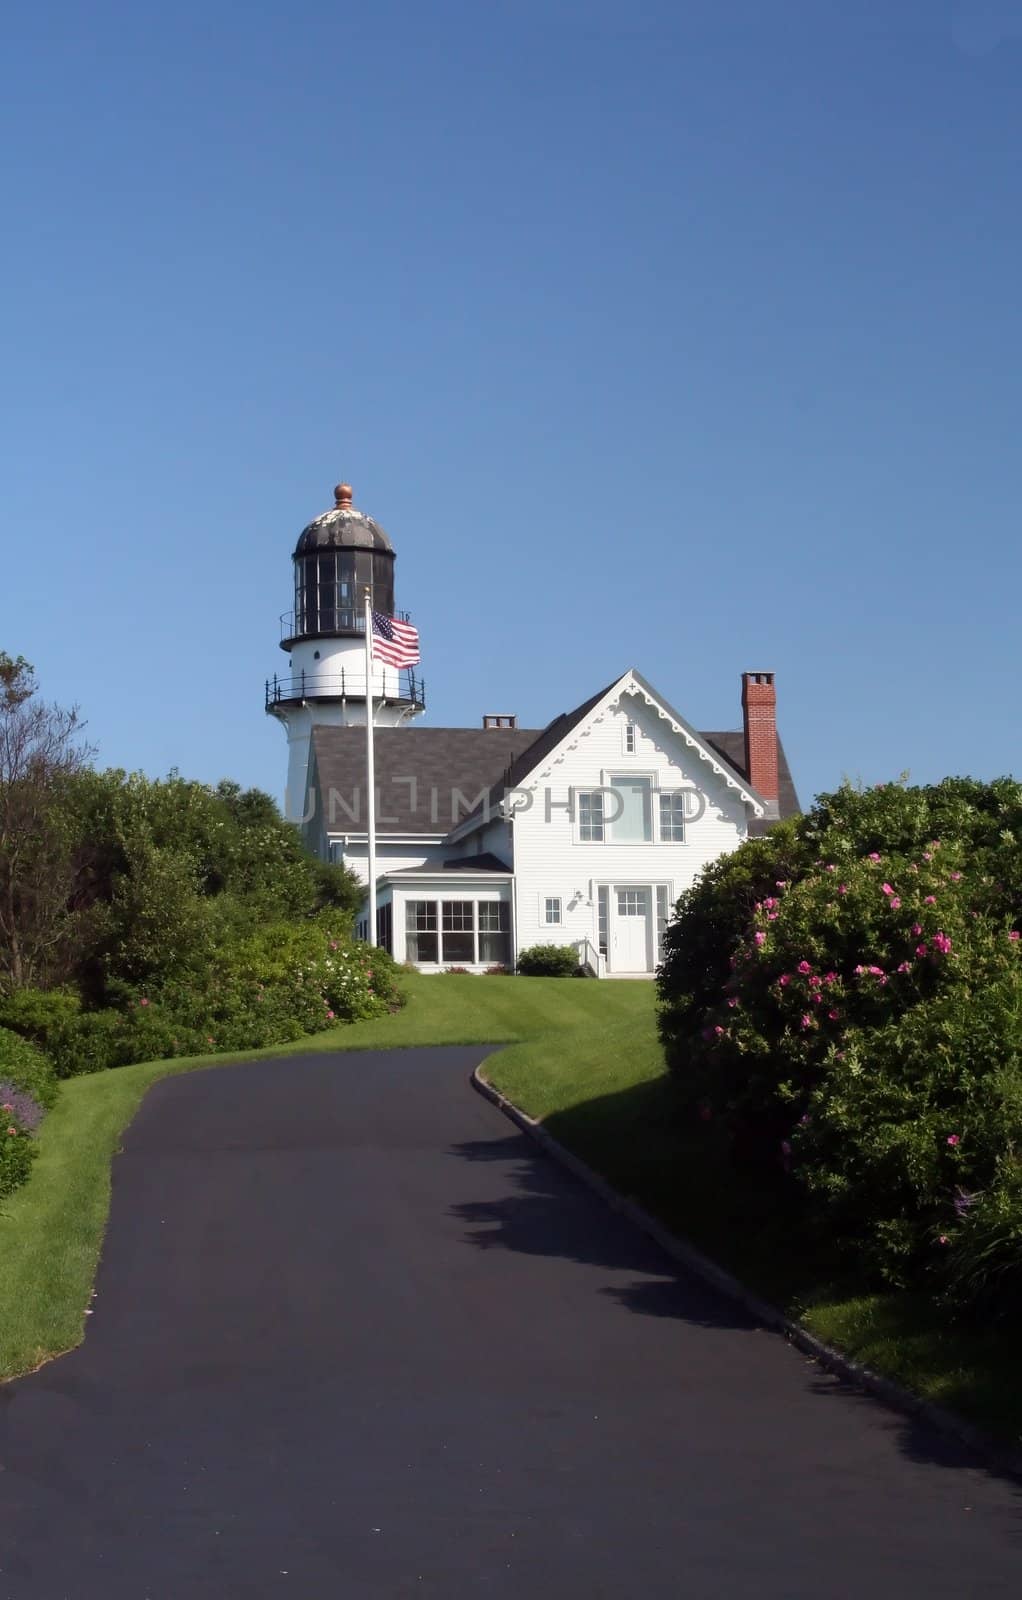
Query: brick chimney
(759, 714)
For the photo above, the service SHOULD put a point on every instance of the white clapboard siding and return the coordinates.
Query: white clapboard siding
(549, 860)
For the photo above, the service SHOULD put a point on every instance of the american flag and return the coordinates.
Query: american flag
(395, 642)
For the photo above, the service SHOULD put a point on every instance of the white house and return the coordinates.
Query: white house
(495, 838)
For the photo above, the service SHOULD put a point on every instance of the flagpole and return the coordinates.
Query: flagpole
(370, 770)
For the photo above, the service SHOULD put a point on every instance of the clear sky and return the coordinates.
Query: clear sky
(683, 336)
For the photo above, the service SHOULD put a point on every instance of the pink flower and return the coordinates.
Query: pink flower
(955, 876)
(942, 943)
(874, 855)
(782, 883)
(143, 1002)
(905, 966)
(804, 967)
(830, 867)
(771, 916)
(921, 948)
(7, 1106)
(886, 888)
(330, 1015)
(718, 1030)
(896, 904)
(807, 1020)
(943, 1239)
(816, 997)
(830, 977)
(759, 937)
(814, 983)
(1014, 935)
(842, 888)
(732, 1003)
(917, 928)
(770, 902)
(927, 856)
(784, 979)
(954, 1139)
(930, 900)
(833, 1015)
(12, 1130)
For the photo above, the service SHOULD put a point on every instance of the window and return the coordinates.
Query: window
(603, 904)
(634, 821)
(421, 930)
(590, 818)
(552, 911)
(629, 738)
(385, 928)
(494, 933)
(632, 903)
(662, 914)
(459, 931)
(672, 818)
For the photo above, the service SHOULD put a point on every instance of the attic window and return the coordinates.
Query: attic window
(630, 737)
(502, 721)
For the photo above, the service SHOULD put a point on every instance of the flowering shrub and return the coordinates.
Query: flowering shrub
(845, 997)
(271, 987)
(17, 1150)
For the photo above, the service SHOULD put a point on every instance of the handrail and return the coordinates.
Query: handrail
(589, 958)
(307, 685)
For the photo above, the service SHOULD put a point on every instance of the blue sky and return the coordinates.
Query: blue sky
(683, 336)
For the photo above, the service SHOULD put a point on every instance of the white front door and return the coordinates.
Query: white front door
(630, 940)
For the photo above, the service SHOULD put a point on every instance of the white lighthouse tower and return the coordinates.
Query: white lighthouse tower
(339, 556)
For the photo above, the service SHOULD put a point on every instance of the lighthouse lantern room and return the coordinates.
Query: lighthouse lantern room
(338, 558)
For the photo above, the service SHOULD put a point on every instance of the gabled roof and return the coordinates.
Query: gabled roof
(561, 729)
(471, 760)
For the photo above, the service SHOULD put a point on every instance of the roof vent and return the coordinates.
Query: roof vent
(493, 721)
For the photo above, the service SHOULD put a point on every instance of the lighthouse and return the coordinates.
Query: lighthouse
(340, 556)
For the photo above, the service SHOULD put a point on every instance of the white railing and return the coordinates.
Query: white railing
(590, 959)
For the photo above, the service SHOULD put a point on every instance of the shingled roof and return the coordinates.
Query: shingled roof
(463, 763)
(444, 762)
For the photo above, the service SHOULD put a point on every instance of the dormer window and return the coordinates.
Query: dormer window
(630, 738)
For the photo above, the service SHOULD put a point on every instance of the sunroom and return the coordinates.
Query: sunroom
(458, 915)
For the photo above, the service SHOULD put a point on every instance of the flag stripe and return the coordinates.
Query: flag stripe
(394, 642)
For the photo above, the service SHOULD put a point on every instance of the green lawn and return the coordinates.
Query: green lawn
(584, 1057)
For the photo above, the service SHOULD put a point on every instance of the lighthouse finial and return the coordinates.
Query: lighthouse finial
(342, 496)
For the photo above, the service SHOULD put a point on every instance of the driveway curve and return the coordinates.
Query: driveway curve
(355, 1336)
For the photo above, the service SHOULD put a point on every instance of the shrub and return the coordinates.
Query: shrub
(844, 997)
(25, 1067)
(37, 1014)
(549, 961)
(17, 1152)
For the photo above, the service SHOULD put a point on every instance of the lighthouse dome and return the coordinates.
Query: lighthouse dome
(342, 528)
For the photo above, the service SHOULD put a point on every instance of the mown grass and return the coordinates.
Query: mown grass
(583, 1057)
(51, 1230)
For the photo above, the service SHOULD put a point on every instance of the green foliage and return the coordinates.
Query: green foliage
(39, 1014)
(549, 961)
(276, 985)
(17, 1152)
(24, 1065)
(844, 997)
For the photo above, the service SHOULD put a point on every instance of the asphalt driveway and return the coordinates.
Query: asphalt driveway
(355, 1337)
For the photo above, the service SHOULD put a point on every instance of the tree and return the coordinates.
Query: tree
(40, 752)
